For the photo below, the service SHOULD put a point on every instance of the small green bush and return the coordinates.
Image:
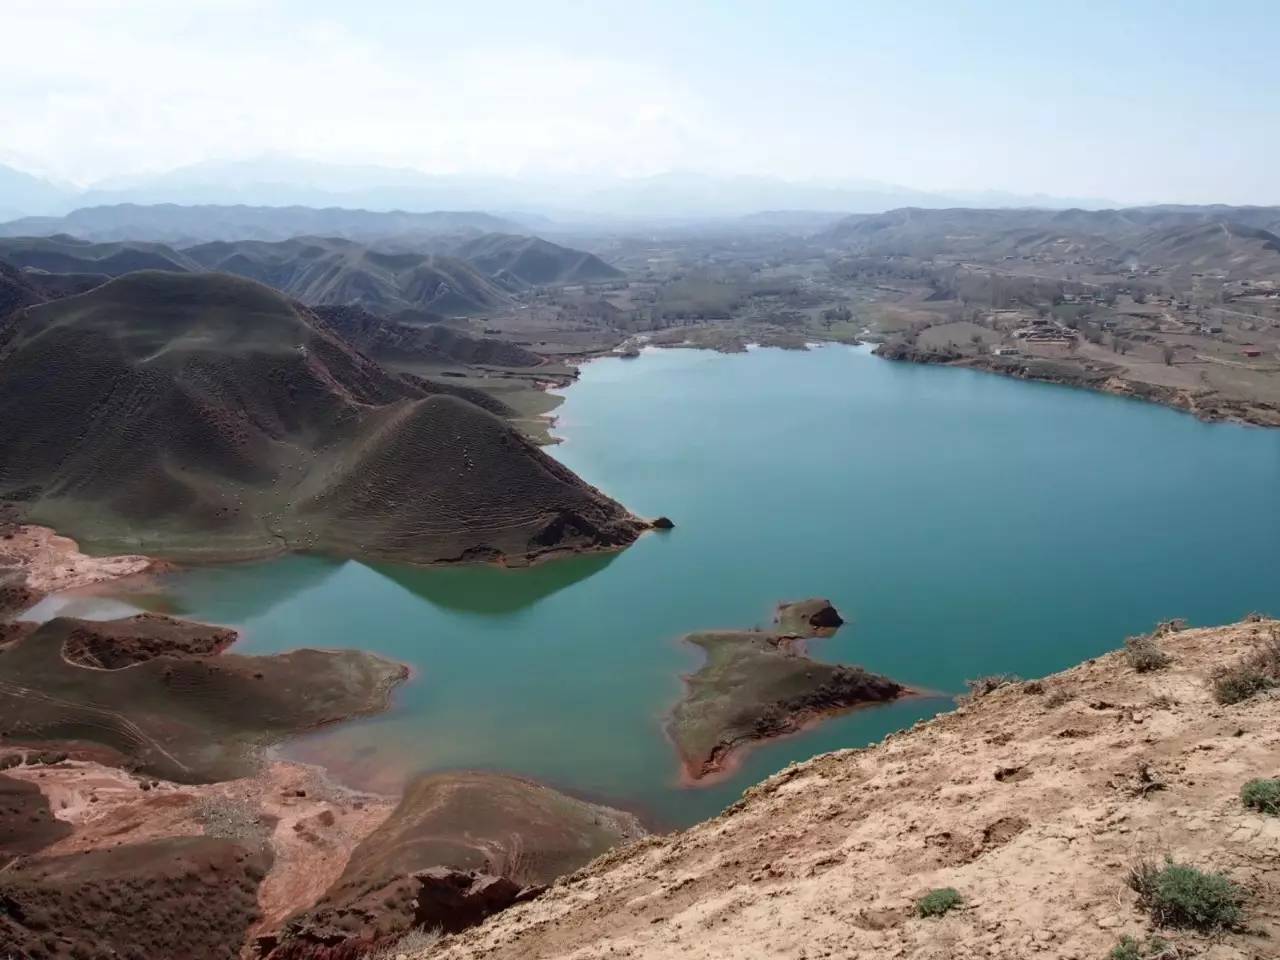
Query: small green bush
(937, 902)
(1262, 795)
(1150, 948)
(1144, 654)
(1178, 895)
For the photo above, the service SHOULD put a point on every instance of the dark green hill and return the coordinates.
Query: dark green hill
(331, 271)
(529, 261)
(202, 415)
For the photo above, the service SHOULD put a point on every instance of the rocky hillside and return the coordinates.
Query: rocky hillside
(1034, 802)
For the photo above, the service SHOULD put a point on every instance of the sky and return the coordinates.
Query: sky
(1134, 101)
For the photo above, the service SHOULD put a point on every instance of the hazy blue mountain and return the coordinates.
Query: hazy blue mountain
(687, 197)
(22, 194)
(172, 223)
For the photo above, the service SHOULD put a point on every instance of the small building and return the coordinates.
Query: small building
(1251, 351)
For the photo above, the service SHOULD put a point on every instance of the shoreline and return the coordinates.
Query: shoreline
(1254, 414)
(727, 759)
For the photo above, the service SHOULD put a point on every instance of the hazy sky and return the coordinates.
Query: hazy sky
(1135, 101)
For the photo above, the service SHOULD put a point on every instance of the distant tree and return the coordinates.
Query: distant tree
(1167, 354)
(1139, 296)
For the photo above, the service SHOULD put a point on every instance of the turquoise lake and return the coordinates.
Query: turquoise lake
(964, 524)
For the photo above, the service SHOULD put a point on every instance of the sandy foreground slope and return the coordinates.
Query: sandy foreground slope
(1033, 805)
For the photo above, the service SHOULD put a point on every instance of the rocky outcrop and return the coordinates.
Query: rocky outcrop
(115, 644)
(815, 617)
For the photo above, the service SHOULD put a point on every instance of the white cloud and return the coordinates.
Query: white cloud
(105, 89)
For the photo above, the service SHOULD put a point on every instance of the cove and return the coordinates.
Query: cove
(964, 524)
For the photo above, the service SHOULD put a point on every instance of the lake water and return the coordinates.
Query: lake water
(964, 523)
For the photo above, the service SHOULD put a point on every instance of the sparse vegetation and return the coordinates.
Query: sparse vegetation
(1262, 795)
(1148, 948)
(1144, 654)
(1258, 671)
(937, 902)
(417, 939)
(1056, 698)
(1179, 895)
(982, 686)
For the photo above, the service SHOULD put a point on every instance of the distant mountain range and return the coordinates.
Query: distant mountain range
(476, 276)
(284, 181)
(174, 224)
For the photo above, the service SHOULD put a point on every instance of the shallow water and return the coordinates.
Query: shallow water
(966, 524)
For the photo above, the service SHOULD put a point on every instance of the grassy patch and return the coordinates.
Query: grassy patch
(937, 902)
(1178, 895)
(1262, 795)
(1144, 654)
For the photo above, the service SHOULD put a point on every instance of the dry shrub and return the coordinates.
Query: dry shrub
(1256, 672)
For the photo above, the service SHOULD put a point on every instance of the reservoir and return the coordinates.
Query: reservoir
(964, 524)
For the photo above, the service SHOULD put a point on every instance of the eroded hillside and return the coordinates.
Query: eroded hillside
(1033, 802)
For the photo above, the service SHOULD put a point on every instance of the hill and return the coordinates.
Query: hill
(530, 261)
(1240, 240)
(203, 415)
(66, 254)
(1034, 802)
(390, 340)
(332, 271)
(178, 224)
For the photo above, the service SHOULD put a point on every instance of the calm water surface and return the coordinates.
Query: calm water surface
(966, 524)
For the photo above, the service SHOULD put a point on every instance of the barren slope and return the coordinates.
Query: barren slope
(1031, 802)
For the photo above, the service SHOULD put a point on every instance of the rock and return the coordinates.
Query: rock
(662, 523)
(815, 617)
(453, 900)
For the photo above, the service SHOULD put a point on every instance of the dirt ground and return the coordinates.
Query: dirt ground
(1032, 802)
(307, 823)
(50, 562)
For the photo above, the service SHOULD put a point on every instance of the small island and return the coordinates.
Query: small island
(757, 685)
